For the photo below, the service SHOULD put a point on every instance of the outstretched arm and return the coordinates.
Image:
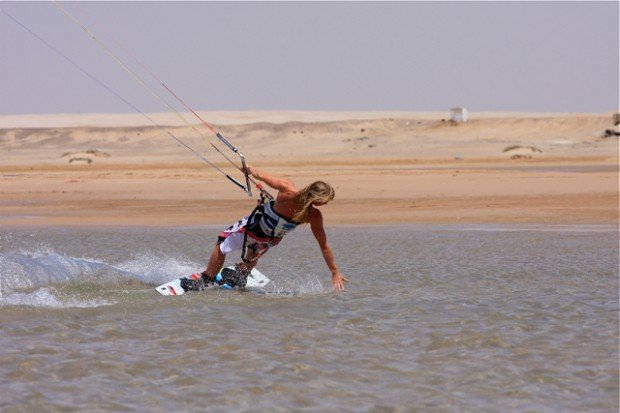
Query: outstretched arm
(316, 224)
(273, 181)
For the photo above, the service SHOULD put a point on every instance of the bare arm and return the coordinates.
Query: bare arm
(316, 224)
(273, 181)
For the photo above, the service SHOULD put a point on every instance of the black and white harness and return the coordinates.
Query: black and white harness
(265, 228)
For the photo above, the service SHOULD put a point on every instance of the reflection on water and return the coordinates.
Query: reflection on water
(454, 318)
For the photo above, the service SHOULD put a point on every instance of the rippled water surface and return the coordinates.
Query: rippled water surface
(450, 319)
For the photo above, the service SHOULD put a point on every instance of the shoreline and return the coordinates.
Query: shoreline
(497, 227)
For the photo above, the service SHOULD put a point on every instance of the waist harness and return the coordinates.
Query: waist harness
(266, 225)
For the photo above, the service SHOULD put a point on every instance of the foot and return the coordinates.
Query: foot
(207, 279)
(236, 277)
(194, 282)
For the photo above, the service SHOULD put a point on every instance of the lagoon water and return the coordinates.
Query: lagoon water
(435, 318)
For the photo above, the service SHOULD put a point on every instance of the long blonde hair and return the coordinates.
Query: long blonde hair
(317, 192)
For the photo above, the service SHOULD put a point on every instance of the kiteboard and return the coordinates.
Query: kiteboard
(256, 279)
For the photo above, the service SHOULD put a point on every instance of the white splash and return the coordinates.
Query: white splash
(45, 298)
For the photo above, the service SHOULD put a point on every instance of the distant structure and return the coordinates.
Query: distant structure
(459, 115)
(616, 131)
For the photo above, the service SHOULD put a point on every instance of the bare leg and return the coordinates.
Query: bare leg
(215, 262)
(252, 259)
(247, 266)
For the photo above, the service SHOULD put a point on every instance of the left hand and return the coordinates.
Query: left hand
(338, 280)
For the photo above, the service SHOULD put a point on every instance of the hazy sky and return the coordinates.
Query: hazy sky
(419, 56)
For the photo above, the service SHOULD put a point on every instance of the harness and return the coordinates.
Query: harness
(264, 220)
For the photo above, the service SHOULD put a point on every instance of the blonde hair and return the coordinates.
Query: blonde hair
(317, 192)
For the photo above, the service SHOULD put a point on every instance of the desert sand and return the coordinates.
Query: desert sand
(387, 167)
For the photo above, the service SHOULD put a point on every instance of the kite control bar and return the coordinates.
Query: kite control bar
(247, 186)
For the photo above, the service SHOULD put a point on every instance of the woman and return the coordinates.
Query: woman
(266, 226)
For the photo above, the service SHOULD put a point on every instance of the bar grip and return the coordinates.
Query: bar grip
(234, 181)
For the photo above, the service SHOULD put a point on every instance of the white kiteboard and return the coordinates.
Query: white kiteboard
(256, 279)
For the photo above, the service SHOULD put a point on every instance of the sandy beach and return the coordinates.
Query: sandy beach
(387, 167)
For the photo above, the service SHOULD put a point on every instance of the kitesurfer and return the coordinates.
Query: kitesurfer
(269, 222)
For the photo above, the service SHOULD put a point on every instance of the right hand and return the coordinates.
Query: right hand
(249, 170)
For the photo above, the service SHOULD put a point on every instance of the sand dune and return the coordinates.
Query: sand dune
(416, 136)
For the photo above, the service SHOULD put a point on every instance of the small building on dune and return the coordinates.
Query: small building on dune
(459, 114)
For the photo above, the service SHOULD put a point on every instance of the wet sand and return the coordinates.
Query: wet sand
(387, 168)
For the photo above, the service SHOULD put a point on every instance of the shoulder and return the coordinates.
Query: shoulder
(287, 191)
(290, 187)
(316, 217)
(287, 187)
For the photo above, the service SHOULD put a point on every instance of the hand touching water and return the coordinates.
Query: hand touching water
(338, 280)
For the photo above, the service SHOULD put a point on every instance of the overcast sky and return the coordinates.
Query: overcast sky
(418, 56)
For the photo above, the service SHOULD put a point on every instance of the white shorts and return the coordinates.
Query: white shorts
(233, 237)
(233, 242)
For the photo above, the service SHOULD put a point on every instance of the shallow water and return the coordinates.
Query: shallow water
(435, 318)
